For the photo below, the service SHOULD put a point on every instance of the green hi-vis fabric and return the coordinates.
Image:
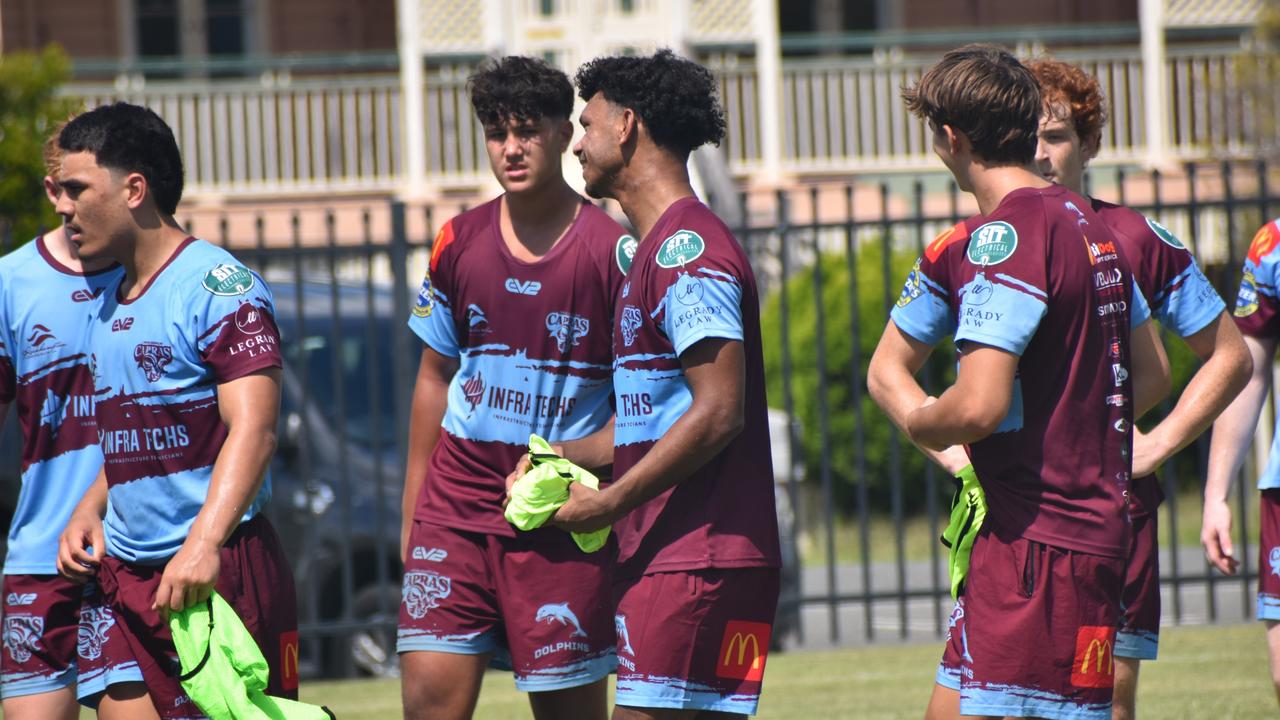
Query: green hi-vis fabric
(223, 671)
(540, 492)
(968, 510)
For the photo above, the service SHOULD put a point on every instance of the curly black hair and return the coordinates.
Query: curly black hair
(519, 88)
(130, 138)
(675, 98)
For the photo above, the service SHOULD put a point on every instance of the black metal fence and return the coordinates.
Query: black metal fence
(862, 510)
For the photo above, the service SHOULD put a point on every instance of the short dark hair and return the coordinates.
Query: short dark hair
(985, 93)
(130, 138)
(519, 88)
(676, 98)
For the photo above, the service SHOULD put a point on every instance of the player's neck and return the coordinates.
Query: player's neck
(533, 221)
(651, 187)
(150, 252)
(64, 251)
(991, 183)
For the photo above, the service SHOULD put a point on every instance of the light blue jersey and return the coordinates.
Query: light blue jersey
(1257, 314)
(44, 325)
(202, 320)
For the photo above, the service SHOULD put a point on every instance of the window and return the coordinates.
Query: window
(224, 27)
(628, 6)
(547, 7)
(157, 28)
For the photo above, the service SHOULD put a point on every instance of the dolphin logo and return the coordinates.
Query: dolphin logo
(624, 637)
(553, 612)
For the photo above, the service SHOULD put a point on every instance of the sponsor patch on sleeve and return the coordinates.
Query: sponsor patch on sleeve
(1163, 233)
(423, 305)
(624, 251)
(912, 289)
(945, 239)
(992, 244)
(683, 247)
(1247, 296)
(1263, 243)
(228, 280)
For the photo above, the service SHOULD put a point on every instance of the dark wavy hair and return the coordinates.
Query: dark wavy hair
(519, 88)
(1068, 85)
(674, 97)
(130, 138)
(984, 92)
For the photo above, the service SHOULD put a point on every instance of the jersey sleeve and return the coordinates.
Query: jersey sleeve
(1181, 297)
(1003, 285)
(697, 289)
(431, 317)
(1140, 309)
(923, 310)
(232, 318)
(8, 369)
(1257, 310)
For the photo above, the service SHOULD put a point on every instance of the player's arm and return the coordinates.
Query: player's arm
(1152, 379)
(430, 398)
(593, 452)
(974, 406)
(1226, 369)
(1230, 440)
(892, 383)
(715, 369)
(82, 541)
(249, 407)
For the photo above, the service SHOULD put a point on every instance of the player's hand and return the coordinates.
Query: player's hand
(586, 510)
(954, 459)
(189, 577)
(1215, 535)
(78, 547)
(522, 467)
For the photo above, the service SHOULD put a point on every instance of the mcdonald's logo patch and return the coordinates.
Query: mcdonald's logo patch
(289, 660)
(1095, 663)
(743, 650)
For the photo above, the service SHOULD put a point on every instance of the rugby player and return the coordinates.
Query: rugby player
(1041, 306)
(514, 316)
(186, 373)
(1257, 310)
(1185, 303)
(45, 289)
(692, 502)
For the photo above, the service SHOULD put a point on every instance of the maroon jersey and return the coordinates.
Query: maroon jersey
(533, 345)
(1042, 278)
(1180, 297)
(691, 281)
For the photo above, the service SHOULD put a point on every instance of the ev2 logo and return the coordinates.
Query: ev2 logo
(430, 555)
(523, 287)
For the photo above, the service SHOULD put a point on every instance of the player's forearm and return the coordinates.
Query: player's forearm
(1225, 372)
(94, 500)
(693, 440)
(592, 452)
(1152, 380)
(1233, 433)
(430, 398)
(892, 384)
(237, 477)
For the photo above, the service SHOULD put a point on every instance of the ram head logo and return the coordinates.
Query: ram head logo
(22, 636)
(423, 591)
(92, 633)
(152, 359)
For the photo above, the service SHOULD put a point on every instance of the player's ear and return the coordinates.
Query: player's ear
(956, 140)
(565, 132)
(1089, 146)
(136, 190)
(51, 189)
(628, 126)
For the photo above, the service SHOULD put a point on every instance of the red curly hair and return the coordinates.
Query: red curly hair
(1063, 84)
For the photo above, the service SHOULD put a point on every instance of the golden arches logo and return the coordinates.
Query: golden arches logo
(289, 660)
(1104, 655)
(740, 642)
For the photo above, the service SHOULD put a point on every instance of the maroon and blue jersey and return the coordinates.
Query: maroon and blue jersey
(202, 320)
(1257, 314)
(1178, 293)
(1042, 277)
(533, 346)
(691, 281)
(44, 369)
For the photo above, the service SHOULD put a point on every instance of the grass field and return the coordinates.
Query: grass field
(1217, 673)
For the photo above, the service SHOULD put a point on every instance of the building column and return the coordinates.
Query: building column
(1155, 84)
(769, 79)
(412, 99)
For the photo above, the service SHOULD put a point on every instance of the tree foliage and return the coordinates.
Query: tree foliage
(837, 378)
(29, 110)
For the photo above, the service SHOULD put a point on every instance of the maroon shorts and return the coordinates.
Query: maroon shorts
(536, 602)
(1138, 635)
(1269, 562)
(41, 613)
(695, 640)
(1033, 635)
(254, 579)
